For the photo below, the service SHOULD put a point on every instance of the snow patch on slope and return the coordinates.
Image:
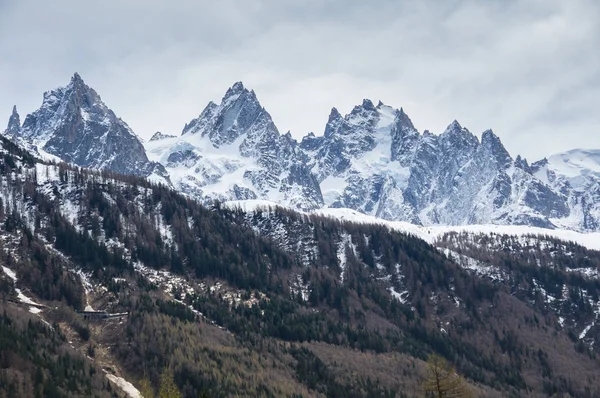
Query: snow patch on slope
(125, 386)
(344, 244)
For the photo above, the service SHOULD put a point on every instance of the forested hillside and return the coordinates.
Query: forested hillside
(271, 302)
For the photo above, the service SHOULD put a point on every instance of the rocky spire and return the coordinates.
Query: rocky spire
(491, 143)
(522, 164)
(404, 120)
(368, 104)
(235, 90)
(333, 122)
(404, 137)
(14, 124)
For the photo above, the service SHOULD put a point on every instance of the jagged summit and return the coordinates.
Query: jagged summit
(236, 115)
(454, 126)
(74, 125)
(368, 104)
(14, 124)
(334, 114)
(234, 151)
(237, 88)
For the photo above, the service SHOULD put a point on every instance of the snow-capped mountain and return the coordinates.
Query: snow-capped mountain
(74, 125)
(575, 174)
(372, 160)
(375, 161)
(233, 151)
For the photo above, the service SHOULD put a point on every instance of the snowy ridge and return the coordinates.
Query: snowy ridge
(432, 233)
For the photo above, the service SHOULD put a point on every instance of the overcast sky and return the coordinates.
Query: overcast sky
(528, 69)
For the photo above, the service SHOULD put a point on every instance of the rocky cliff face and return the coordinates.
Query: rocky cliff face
(372, 160)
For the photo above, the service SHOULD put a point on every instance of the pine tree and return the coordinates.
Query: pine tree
(168, 388)
(441, 381)
(146, 388)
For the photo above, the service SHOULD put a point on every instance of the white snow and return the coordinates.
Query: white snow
(331, 188)
(22, 298)
(432, 233)
(586, 330)
(216, 170)
(376, 162)
(10, 273)
(124, 385)
(576, 162)
(251, 205)
(297, 285)
(474, 265)
(400, 296)
(343, 245)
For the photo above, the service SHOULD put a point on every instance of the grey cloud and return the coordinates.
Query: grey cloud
(527, 69)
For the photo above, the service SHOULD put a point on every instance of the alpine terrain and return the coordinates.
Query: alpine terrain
(234, 261)
(372, 160)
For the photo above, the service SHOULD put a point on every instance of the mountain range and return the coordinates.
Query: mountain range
(372, 160)
(249, 299)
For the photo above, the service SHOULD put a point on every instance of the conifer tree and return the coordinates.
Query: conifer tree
(146, 388)
(168, 388)
(441, 381)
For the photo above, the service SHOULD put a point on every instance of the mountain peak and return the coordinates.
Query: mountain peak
(75, 125)
(334, 115)
(455, 125)
(453, 128)
(522, 164)
(335, 118)
(368, 104)
(77, 82)
(493, 144)
(489, 139)
(403, 118)
(236, 89)
(14, 123)
(238, 113)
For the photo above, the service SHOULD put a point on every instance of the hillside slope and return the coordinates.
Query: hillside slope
(271, 302)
